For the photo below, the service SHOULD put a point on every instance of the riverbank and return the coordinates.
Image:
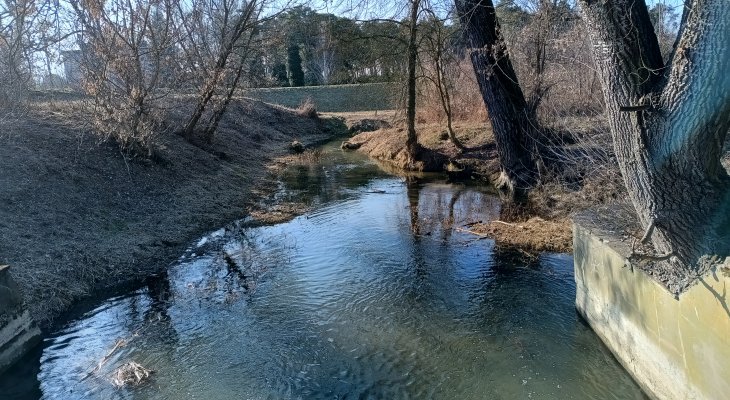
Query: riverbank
(305, 295)
(77, 216)
(544, 224)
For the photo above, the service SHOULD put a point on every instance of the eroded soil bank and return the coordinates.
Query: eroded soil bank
(77, 216)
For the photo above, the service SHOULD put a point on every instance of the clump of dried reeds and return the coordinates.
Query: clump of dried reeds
(307, 108)
(131, 374)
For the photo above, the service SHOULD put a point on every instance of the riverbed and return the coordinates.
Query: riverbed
(376, 293)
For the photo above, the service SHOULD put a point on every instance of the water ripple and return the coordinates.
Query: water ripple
(371, 296)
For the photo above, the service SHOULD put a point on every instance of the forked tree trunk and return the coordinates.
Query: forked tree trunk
(669, 124)
(514, 129)
(218, 113)
(210, 86)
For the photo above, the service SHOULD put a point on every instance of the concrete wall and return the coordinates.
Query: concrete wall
(674, 348)
(18, 332)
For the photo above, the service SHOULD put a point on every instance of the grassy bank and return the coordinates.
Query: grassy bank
(332, 98)
(77, 216)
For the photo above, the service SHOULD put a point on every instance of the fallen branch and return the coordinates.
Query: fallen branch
(131, 374)
(646, 257)
(472, 232)
(508, 224)
(119, 344)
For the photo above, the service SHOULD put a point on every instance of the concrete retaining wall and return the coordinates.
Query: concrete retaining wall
(674, 348)
(18, 332)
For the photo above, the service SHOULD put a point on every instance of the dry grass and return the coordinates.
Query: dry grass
(131, 374)
(387, 146)
(533, 235)
(78, 216)
(307, 108)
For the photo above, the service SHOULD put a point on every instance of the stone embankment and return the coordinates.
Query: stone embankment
(18, 332)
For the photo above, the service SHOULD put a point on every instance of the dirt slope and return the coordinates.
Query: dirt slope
(76, 216)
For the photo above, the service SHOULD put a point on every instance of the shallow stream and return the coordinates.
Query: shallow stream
(372, 295)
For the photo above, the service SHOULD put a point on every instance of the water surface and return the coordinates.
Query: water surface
(371, 296)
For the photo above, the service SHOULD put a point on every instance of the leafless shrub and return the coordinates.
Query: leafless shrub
(123, 45)
(12, 105)
(307, 108)
(17, 27)
(580, 168)
(217, 40)
(552, 58)
(466, 101)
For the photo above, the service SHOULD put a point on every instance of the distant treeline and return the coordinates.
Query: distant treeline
(301, 47)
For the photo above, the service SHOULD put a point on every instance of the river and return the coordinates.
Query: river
(371, 295)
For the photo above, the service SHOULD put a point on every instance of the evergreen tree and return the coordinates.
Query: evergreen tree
(295, 73)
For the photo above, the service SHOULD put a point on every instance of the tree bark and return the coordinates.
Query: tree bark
(218, 113)
(514, 128)
(412, 140)
(219, 69)
(669, 124)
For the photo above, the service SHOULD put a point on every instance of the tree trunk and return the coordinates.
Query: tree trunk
(217, 116)
(669, 123)
(219, 69)
(412, 141)
(444, 93)
(514, 129)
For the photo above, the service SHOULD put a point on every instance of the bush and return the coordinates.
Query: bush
(466, 100)
(135, 128)
(307, 108)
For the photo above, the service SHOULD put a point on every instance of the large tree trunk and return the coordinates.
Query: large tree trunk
(514, 128)
(669, 124)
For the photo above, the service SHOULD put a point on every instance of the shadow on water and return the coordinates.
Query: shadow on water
(371, 295)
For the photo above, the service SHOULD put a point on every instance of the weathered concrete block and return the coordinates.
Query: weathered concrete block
(18, 332)
(674, 348)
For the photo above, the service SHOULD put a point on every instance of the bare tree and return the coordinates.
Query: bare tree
(217, 38)
(536, 38)
(440, 64)
(513, 124)
(412, 146)
(26, 28)
(669, 122)
(323, 60)
(666, 22)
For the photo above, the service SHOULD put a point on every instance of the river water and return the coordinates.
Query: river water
(373, 295)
